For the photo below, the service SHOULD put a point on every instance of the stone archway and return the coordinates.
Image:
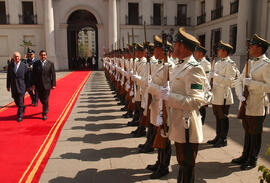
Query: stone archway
(80, 24)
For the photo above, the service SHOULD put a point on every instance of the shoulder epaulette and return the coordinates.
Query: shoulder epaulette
(194, 63)
(267, 60)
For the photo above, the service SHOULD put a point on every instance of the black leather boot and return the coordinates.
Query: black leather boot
(213, 141)
(155, 166)
(148, 145)
(243, 158)
(224, 128)
(141, 132)
(255, 147)
(188, 174)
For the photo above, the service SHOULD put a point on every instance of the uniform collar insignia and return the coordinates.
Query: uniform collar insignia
(180, 61)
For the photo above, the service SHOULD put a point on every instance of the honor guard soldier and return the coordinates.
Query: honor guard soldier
(140, 74)
(199, 55)
(257, 80)
(161, 167)
(224, 74)
(184, 97)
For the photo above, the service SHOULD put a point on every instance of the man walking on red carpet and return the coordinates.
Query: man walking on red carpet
(18, 81)
(44, 80)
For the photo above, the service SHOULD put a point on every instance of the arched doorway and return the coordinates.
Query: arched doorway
(82, 35)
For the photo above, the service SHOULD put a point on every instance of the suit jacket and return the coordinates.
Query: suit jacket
(43, 78)
(18, 81)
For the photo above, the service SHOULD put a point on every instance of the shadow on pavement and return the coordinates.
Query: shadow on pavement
(96, 155)
(98, 127)
(97, 139)
(112, 176)
(98, 118)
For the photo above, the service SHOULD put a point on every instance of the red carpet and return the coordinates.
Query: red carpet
(25, 147)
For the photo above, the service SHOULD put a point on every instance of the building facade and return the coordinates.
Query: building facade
(54, 25)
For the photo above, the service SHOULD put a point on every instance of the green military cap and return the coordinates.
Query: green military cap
(259, 41)
(225, 46)
(186, 38)
(200, 48)
(139, 47)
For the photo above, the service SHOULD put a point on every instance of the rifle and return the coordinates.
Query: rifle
(242, 111)
(131, 105)
(146, 114)
(212, 63)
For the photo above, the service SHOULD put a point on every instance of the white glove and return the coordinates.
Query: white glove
(212, 74)
(128, 86)
(242, 98)
(247, 81)
(164, 93)
(131, 93)
(159, 119)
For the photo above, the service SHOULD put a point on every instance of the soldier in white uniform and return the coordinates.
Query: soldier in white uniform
(184, 97)
(199, 55)
(224, 75)
(258, 84)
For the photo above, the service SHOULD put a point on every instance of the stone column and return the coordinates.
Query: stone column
(49, 31)
(243, 28)
(112, 32)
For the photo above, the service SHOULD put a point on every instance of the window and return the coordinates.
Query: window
(215, 38)
(218, 4)
(233, 36)
(201, 18)
(234, 6)
(202, 7)
(133, 13)
(202, 40)
(27, 16)
(3, 16)
(181, 18)
(157, 14)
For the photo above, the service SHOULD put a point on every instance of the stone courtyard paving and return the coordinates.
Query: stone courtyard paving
(95, 145)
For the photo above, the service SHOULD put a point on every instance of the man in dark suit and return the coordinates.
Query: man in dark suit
(44, 80)
(30, 61)
(18, 81)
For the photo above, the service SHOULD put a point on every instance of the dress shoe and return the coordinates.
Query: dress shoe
(133, 123)
(146, 149)
(20, 119)
(159, 173)
(44, 117)
(213, 141)
(124, 108)
(153, 167)
(220, 143)
(248, 165)
(140, 133)
(242, 159)
(141, 145)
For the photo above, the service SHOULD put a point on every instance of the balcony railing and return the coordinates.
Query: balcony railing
(182, 21)
(28, 19)
(217, 13)
(4, 19)
(133, 20)
(157, 20)
(234, 7)
(201, 19)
